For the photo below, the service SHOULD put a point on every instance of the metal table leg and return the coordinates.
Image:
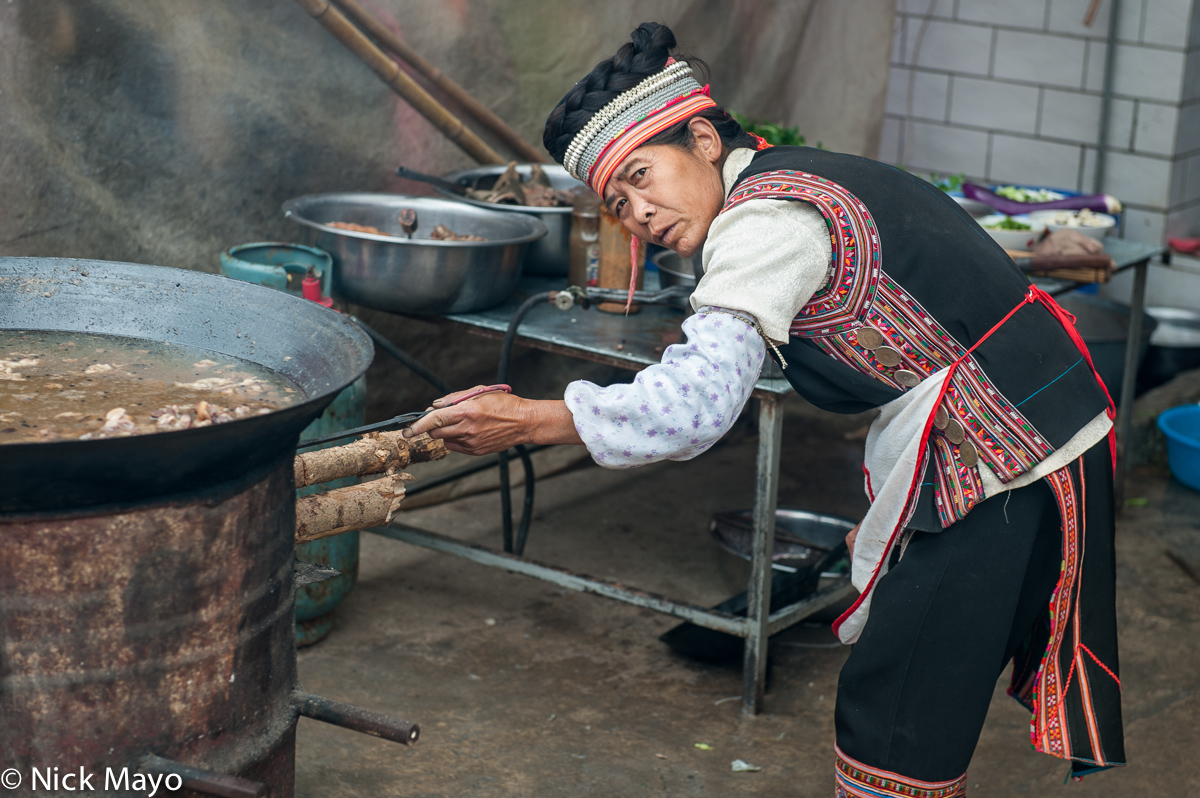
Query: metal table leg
(1133, 347)
(754, 668)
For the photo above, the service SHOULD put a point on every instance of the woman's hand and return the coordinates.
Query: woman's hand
(493, 422)
(851, 536)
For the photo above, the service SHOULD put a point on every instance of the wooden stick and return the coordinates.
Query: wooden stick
(336, 512)
(396, 79)
(372, 454)
(476, 109)
(1076, 268)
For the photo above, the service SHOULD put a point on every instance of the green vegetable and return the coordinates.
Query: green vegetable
(1009, 223)
(1028, 194)
(774, 133)
(948, 182)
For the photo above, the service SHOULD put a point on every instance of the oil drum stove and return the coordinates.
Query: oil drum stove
(146, 583)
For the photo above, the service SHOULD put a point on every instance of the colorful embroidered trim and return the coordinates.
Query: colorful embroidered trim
(840, 305)
(1045, 692)
(857, 611)
(856, 780)
(1004, 438)
(859, 293)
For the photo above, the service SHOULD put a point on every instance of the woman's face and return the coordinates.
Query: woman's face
(668, 196)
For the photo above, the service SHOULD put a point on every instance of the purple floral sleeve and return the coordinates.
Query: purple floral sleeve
(678, 408)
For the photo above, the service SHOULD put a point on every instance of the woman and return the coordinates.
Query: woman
(874, 290)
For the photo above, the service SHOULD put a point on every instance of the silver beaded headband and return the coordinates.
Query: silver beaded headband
(618, 114)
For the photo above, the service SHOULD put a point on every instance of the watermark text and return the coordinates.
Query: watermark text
(56, 779)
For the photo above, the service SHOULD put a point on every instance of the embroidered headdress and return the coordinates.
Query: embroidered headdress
(631, 119)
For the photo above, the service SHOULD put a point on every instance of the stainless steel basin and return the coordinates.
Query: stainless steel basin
(417, 275)
(548, 256)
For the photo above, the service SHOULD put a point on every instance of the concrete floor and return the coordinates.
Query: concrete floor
(525, 689)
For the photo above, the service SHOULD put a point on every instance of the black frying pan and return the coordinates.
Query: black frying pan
(318, 349)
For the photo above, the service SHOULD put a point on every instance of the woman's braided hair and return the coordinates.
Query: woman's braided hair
(645, 54)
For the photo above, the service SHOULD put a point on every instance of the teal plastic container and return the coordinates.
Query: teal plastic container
(315, 603)
(277, 265)
(283, 266)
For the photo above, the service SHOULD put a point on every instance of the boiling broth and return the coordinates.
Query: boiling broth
(64, 385)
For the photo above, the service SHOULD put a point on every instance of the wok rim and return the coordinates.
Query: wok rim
(269, 433)
(291, 211)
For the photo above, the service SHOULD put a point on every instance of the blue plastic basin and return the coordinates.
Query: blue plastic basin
(1181, 425)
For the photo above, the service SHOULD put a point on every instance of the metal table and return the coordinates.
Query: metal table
(1128, 255)
(635, 342)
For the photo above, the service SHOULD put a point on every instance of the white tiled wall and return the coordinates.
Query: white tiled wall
(1010, 91)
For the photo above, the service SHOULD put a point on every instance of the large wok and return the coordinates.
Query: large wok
(319, 350)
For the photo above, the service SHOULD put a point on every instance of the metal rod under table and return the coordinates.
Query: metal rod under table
(635, 342)
(1128, 255)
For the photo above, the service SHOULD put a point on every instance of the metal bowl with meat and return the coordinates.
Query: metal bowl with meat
(416, 254)
(549, 255)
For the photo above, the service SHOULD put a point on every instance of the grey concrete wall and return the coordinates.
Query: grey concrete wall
(158, 131)
(1011, 92)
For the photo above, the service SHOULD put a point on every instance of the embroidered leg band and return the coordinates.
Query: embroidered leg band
(856, 780)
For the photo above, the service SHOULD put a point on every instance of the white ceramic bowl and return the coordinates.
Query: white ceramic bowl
(1014, 239)
(976, 208)
(1097, 232)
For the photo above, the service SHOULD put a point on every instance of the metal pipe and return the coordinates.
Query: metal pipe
(203, 781)
(1133, 348)
(398, 80)
(1110, 60)
(351, 717)
(527, 504)
(405, 359)
(516, 546)
(660, 297)
(522, 451)
(480, 112)
(788, 616)
(510, 337)
(506, 524)
(451, 476)
(483, 464)
(701, 616)
(758, 594)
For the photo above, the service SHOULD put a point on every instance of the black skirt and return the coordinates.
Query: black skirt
(962, 603)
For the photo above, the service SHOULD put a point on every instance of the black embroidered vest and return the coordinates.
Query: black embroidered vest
(915, 284)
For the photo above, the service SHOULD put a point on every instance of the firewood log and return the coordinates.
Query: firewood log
(373, 454)
(336, 512)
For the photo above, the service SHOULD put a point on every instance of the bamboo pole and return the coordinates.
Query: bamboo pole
(451, 126)
(476, 109)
